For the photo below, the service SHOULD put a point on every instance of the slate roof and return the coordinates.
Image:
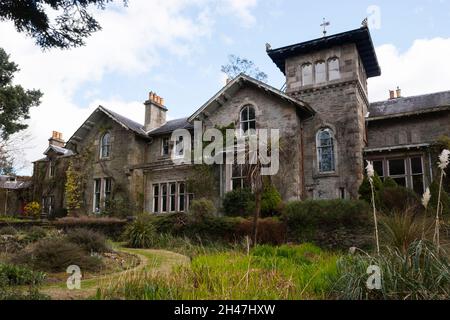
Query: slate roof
(124, 121)
(171, 126)
(361, 37)
(409, 105)
(62, 151)
(5, 183)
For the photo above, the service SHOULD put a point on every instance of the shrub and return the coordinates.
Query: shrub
(389, 183)
(202, 208)
(270, 201)
(35, 233)
(329, 223)
(239, 203)
(111, 227)
(445, 199)
(270, 230)
(419, 274)
(90, 241)
(395, 199)
(18, 276)
(365, 191)
(32, 210)
(8, 231)
(55, 255)
(141, 233)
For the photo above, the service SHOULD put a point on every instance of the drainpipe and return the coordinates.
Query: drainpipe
(302, 163)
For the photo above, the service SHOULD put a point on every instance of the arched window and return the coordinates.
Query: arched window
(321, 72)
(325, 150)
(248, 119)
(307, 74)
(333, 69)
(105, 146)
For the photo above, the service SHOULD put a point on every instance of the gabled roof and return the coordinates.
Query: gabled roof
(171, 126)
(401, 107)
(361, 37)
(59, 150)
(126, 123)
(233, 86)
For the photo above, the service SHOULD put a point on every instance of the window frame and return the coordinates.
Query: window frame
(302, 68)
(325, 76)
(329, 69)
(105, 146)
(249, 121)
(163, 146)
(97, 196)
(320, 148)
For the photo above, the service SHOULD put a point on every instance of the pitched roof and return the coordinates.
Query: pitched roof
(361, 37)
(171, 126)
(234, 85)
(124, 121)
(59, 150)
(400, 107)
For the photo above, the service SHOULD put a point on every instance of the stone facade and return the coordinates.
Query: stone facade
(327, 127)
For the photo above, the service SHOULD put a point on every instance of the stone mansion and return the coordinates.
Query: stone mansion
(324, 114)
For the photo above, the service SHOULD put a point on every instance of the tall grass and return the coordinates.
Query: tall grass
(287, 272)
(421, 273)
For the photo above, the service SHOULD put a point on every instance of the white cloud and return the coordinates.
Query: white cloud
(242, 9)
(132, 42)
(423, 68)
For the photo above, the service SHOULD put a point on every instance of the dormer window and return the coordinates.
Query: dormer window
(307, 74)
(320, 72)
(105, 146)
(333, 69)
(247, 119)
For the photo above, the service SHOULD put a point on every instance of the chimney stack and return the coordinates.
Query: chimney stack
(56, 139)
(399, 92)
(155, 112)
(391, 94)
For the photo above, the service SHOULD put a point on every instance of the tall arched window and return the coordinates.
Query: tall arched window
(325, 150)
(333, 69)
(105, 146)
(321, 72)
(247, 119)
(307, 74)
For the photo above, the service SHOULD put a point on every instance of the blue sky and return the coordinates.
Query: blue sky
(176, 48)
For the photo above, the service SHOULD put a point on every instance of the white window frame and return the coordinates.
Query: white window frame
(249, 120)
(163, 139)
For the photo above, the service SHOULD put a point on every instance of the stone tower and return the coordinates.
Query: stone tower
(330, 74)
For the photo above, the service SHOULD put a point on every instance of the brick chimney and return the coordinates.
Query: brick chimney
(391, 94)
(56, 139)
(155, 112)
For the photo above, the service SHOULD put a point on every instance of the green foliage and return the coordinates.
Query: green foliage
(365, 191)
(445, 199)
(141, 233)
(389, 183)
(55, 255)
(35, 233)
(73, 189)
(329, 223)
(111, 227)
(202, 181)
(19, 276)
(270, 200)
(15, 101)
(202, 208)
(419, 274)
(239, 203)
(10, 231)
(89, 240)
(54, 24)
(398, 199)
(288, 272)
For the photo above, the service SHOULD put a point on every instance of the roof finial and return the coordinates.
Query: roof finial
(325, 24)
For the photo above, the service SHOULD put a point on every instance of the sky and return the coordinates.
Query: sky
(176, 48)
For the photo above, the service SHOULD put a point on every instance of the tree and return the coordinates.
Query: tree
(237, 65)
(15, 101)
(70, 26)
(73, 190)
